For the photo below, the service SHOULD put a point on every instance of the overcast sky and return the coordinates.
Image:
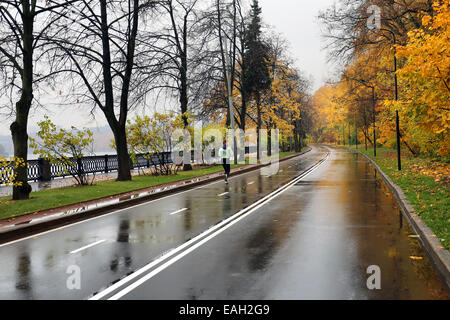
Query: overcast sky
(295, 19)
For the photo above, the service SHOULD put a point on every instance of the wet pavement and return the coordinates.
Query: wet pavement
(314, 241)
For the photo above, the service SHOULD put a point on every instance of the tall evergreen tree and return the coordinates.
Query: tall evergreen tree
(256, 61)
(256, 73)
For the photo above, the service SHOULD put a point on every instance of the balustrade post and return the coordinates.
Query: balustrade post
(80, 168)
(106, 164)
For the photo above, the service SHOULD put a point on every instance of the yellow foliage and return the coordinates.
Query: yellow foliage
(8, 168)
(423, 87)
(427, 72)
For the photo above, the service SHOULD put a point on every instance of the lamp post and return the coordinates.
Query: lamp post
(343, 134)
(397, 118)
(374, 124)
(228, 76)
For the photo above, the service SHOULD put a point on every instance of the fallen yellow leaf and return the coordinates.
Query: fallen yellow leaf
(416, 258)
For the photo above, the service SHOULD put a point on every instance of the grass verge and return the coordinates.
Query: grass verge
(425, 183)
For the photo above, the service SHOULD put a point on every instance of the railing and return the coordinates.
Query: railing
(43, 170)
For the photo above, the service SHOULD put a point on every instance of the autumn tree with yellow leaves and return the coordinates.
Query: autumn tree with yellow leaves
(151, 137)
(66, 148)
(426, 75)
(418, 35)
(280, 107)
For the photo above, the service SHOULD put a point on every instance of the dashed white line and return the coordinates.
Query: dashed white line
(179, 211)
(175, 251)
(250, 183)
(113, 213)
(88, 246)
(223, 194)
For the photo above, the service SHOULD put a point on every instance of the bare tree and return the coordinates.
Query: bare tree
(347, 30)
(236, 22)
(181, 46)
(225, 21)
(100, 43)
(24, 25)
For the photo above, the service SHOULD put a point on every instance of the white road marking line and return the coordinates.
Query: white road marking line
(236, 217)
(108, 214)
(179, 211)
(250, 183)
(222, 194)
(121, 210)
(88, 246)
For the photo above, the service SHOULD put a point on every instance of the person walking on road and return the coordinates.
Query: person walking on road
(226, 154)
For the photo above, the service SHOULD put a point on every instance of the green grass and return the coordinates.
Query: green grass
(286, 154)
(59, 197)
(430, 199)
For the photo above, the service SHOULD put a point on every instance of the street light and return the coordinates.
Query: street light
(374, 103)
(228, 68)
(397, 118)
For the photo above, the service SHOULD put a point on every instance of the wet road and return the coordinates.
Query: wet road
(35, 268)
(313, 240)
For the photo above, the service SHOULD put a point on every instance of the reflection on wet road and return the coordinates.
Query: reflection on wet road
(314, 241)
(108, 248)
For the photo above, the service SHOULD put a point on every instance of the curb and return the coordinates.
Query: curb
(24, 230)
(439, 256)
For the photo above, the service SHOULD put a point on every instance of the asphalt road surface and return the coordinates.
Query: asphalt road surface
(308, 232)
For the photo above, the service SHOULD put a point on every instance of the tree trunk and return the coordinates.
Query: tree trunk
(367, 137)
(296, 142)
(184, 108)
(118, 127)
(301, 132)
(297, 132)
(20, 141)
(259, 124)
(243, 110)
(23, 106)
(184, 87)
(407, 146)
(124, 170)
(343, 134)
(300, 145)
